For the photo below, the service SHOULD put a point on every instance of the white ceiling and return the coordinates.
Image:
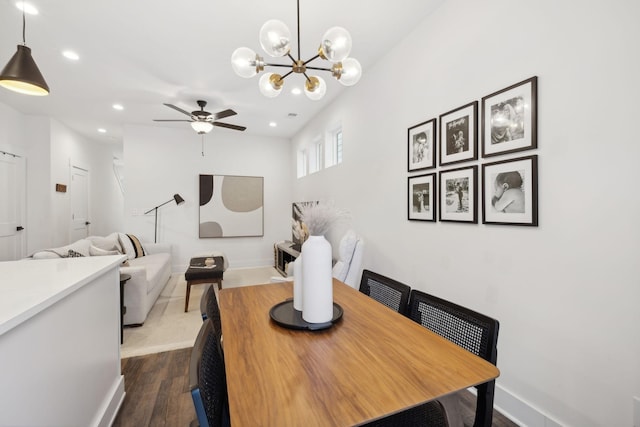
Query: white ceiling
(143, 53)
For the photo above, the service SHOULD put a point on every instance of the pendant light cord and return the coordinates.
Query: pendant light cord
(24, 24)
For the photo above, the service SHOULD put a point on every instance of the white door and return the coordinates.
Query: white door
(79, 194)
(12, 207)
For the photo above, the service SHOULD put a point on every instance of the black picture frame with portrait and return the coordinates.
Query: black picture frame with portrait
(421, 146)
(458, 195)
(509, 119)
(510, 192)
(421, 197)
(459, 134)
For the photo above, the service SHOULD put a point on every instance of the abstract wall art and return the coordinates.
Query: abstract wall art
(231, 206)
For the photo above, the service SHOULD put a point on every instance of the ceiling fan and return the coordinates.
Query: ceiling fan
(203, 121)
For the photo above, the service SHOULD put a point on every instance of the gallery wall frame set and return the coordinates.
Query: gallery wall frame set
(458, 195)
(421, 146)
(509, 191)
(509, 119)
(422, 197)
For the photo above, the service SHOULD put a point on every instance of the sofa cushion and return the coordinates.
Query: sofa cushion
(154, 265)
(107, 243)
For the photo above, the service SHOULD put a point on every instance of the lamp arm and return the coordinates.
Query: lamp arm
(170, 200)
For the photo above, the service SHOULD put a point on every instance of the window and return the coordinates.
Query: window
(334, 147)
(315, 156)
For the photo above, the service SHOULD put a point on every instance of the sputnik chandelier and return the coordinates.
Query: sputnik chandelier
(275, 39)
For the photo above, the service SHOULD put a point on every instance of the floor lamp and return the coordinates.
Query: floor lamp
(179, 200)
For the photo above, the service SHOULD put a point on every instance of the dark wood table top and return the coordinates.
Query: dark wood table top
(370, 364)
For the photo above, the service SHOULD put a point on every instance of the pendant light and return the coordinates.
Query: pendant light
(21, 74)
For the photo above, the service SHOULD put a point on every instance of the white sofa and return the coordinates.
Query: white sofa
(149, 273)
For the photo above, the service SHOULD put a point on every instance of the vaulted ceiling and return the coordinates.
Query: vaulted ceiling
(143, 53)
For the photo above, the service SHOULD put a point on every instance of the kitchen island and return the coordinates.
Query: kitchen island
(60, 342)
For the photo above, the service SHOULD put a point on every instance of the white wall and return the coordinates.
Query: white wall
(49, 148)
(566, 292)
(160, 162)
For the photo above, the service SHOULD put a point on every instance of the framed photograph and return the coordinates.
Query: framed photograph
(421, 146)
(458, 195)
(509, 119)
(510, 192)
(459, 135)
(421, 199)
(231, 206)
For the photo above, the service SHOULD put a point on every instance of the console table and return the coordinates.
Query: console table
(283, 255)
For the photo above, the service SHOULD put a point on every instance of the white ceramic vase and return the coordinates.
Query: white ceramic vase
(317, 282)
(297, 283)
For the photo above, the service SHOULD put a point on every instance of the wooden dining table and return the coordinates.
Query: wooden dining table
(371, 363)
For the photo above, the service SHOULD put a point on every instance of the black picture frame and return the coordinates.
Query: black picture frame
(421, 146)
(459, 134)
(421, 189)
(459, 195)
(510, 119)
(510, 192)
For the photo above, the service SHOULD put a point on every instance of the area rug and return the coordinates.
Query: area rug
(168, 327)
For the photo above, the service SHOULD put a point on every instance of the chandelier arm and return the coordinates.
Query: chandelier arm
(319, 68)
(309, 60)
(285, 76)
(279, 65)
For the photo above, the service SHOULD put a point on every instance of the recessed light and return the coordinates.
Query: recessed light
(296, 91)
(102, 130)
(118, 107)
(69, 54)
(28, 8)
(273, 124)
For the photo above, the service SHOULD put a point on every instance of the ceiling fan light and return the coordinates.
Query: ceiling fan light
(21, 74)
(275, 38)
(246, 63)
(336, 44)
(350, 71)
(271, 85)
(315, 88)
(202, 127)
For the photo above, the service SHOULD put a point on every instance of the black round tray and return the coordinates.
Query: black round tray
(286, 316)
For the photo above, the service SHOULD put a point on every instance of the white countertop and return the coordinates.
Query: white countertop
(30, 286)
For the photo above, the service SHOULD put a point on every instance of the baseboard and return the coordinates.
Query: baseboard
(109, 411)
(519, 411)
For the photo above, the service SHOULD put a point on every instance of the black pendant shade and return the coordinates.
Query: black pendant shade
(21, 74)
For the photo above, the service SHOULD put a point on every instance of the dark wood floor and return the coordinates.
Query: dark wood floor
(157, 387)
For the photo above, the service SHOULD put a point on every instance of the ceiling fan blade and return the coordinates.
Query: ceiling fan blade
(227, 125)
(223, 114)
(162, 120)
(178, 109)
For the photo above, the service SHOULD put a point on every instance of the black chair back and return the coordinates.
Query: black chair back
(470, 330)
(389, 292)
(207, 378)
(209, 307)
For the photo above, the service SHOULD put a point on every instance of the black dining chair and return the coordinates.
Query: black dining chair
(207, 379)
(470, 330)
(209, 307)
(389, 292)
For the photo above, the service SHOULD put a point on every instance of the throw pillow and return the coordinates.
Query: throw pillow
(95, 251)
(73, 254)
(131, 246)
